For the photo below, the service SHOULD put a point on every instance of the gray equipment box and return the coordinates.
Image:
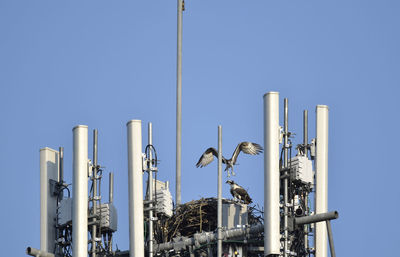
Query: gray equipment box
(302, 170)
(234, 215)
(64, 212)
(109, 218)
(107, 212)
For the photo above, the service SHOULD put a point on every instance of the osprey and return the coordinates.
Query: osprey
(239, 192)
(246, 147)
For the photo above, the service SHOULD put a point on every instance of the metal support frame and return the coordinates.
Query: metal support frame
(285, 180)
(150, 172)
(327, 217)
(219, 204)
(94, 196)
(330, 237)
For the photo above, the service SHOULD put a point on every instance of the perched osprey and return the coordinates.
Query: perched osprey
(239, 192)
(246, 147)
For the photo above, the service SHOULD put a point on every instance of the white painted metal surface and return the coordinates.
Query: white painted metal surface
(321, 178)
(48, 204)
(80, 192)
(135, 182)
(179, 104)
(271, 174)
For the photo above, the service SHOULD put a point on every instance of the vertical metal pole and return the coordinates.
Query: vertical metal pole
(219, 207)
(330, 237)
(285, 180)
(321, 177)
(80, 193)
(48, 202)
(111, 187)
(150, 140)
(94, 199)
(135, 180)
(306, 244)
(271, 174)
(305, 143)
(179, 106)
(305, 132)
(61, 164)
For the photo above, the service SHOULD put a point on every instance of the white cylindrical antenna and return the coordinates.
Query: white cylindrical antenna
(271, 174)
(135, 180)
(321, 178)
(80, 192)
(48, 203)
(111, 187)
(219, 207)
(179, 105)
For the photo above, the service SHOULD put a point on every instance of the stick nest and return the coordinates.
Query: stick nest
(196, 216)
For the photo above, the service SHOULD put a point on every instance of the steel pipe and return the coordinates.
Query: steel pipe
(271, 174)
(219, 187)
(317, 218)
(80, 191)
(305, 132)
(94, 199)
(150, 142)
(38, 253)
(135, 183)
(179, 104)
(111, 187)
(321, 177)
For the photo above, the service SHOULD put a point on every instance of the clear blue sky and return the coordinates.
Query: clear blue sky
(102, 63)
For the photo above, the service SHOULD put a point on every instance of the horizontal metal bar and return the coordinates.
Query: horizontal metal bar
(255, 248)
(38, 253)
(316, 218)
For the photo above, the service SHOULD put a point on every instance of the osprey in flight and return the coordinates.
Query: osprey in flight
(239, 192)
(246, 147)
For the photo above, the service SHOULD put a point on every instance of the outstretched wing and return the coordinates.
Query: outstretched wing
(247, 148)
(207, 157)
